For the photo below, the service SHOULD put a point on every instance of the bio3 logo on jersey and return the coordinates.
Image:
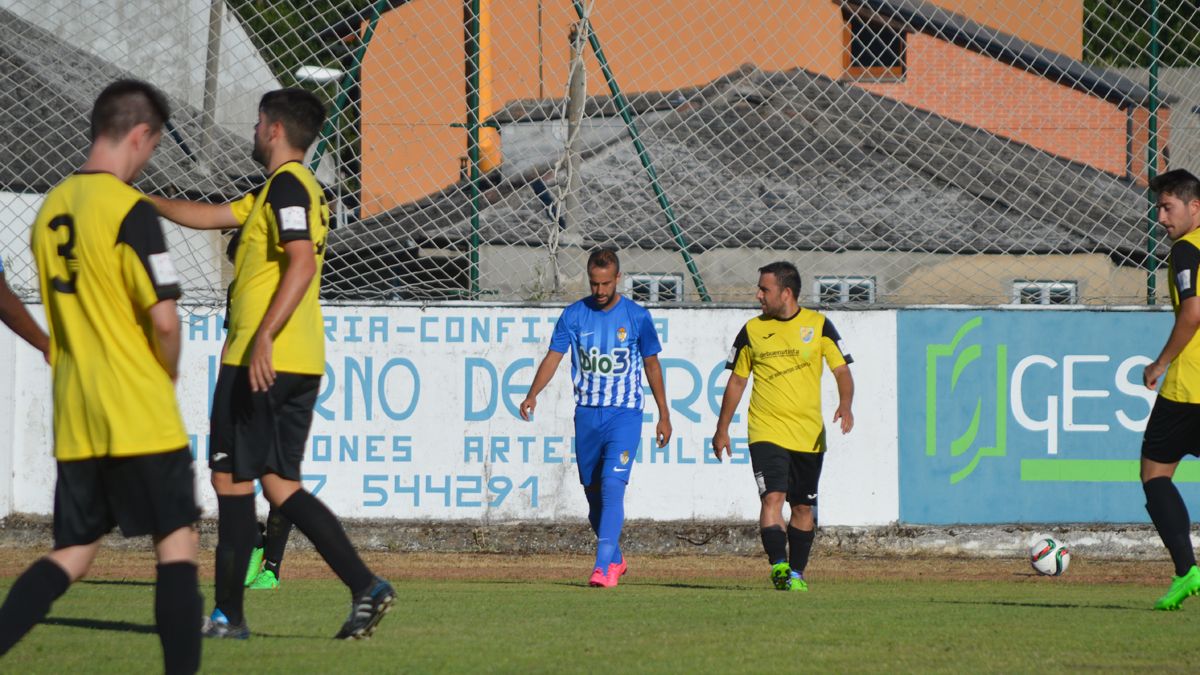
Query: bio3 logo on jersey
(592, 361)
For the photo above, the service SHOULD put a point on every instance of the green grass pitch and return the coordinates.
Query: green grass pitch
(674, 617)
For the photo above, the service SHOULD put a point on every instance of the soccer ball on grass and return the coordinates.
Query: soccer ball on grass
(1048, 556)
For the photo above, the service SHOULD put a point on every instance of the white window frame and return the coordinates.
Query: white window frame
(654, 281)
(1045, 288)
(844, 283)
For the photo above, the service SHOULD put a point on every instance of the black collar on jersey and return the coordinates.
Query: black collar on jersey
(290, 161)
(798, 312)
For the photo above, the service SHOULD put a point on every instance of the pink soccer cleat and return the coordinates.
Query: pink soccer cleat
(617, 570)
(600, 579)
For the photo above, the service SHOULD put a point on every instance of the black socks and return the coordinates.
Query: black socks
(799, 545)
(236, 530)
(1170, 516)
(325, 532)
(177, 611)
(278, 530)
(774, 543)
(29, 600)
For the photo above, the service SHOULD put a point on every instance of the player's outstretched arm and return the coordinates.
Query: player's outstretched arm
(545, 371)
(14, 315)
(196, 215)
(301, 268)
(662, 432)
(1186, 324)
(734, 388)
(845, 385)
(164, 316)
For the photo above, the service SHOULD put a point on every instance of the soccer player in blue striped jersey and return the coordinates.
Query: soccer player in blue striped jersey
(612, 342)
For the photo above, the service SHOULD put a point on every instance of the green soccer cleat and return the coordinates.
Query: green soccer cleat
(1181, 588)
(796, 582)
(781, 576)
(255, 566)
(266, 580)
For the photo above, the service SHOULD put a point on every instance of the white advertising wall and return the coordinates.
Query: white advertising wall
(417, 419)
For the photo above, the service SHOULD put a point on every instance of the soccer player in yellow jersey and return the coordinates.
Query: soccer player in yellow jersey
(109, 290)
(272, 366)
(783, 348)
(1173, 430)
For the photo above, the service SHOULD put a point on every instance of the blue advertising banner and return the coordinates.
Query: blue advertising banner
(1020, 416)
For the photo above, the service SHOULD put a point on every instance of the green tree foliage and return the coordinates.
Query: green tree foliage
(1117, 32)
(291, 34)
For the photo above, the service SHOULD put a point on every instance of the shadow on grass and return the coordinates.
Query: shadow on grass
(116, 582)
(703, 587)
(1039, 605)
(583, 585)
(100, 624)
(130, 627)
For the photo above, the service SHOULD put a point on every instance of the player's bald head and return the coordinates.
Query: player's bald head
(123, 105)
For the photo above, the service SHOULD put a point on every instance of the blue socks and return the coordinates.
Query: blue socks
(607, 516)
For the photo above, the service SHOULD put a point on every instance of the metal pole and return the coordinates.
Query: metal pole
(643, 155)
(212, 67)
(1152, 157)
(541, 56)
(471, 30)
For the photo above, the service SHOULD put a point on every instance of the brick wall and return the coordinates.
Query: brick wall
(1027, 107)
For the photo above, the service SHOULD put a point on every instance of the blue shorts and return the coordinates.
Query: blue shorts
(606, 442)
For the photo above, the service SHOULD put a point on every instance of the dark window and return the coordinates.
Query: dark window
(873, 48)
(843, 290)
(654, 287)
(641, 289)
(875, 45)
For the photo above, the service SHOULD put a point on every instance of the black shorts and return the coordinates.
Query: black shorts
(256, 433)
(778, 469)
(1172, 432)
(147, 494)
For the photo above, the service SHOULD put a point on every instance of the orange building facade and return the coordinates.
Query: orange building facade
(413, 88)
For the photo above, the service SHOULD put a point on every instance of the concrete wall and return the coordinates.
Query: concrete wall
(970, 416)
(416, 419)
(730, 275)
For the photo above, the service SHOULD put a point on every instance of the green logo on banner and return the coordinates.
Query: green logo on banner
(935, 353)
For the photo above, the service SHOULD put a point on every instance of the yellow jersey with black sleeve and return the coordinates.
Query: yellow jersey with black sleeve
(784, 355)
(102, 263)
(1182, 381)
(291, 206)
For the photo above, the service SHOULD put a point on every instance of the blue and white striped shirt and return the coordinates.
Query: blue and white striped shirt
(607, 348)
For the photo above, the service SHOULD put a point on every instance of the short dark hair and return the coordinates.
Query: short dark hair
(1178, 183)
(786, 274)
(123, 105)
(299, 111)
(604, 257)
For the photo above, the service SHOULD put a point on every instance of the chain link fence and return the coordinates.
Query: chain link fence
(900, 152)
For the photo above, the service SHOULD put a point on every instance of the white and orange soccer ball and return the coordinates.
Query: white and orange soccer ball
(1048, 556)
